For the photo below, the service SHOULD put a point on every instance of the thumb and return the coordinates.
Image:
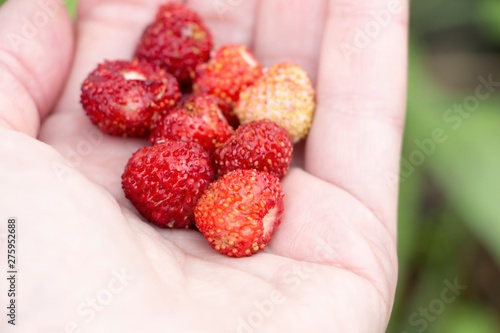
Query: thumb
(36, 48)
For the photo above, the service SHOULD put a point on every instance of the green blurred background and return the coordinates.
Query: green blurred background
(449, 211)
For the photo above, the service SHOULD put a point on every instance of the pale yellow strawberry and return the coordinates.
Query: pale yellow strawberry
(285, 95)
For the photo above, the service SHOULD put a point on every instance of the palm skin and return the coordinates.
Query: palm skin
(331, 266)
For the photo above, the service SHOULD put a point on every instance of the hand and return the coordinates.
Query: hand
(87, 262)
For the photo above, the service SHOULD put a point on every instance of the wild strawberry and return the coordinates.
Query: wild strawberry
(261, 145)
(120, 97)
(164, 181)
(176, 41)
(199, 120)
(285, 95)
(232, 69)
(238, 213)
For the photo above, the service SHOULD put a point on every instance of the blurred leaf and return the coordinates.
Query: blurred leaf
(468, 167)
(466, 318)
(427, 15)
(447, 237)
(489, 16)
(410, 195)
(467, 164)
(439, 236)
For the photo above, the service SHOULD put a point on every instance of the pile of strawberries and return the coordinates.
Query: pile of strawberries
(222, 130)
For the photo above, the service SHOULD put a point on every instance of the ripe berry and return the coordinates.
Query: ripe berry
(164, 182)
(176, 41)
(232, 69)
(261, 145)
(199, 120)
(120, 97)
(238, 213)
(285, 95)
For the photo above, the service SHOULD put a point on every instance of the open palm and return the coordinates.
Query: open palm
(88, 262)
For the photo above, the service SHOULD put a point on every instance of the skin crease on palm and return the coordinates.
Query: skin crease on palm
(332, 261)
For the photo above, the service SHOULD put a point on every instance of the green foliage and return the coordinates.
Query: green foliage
(466, 165)
(467, 318)
(489, 15)
(464, 171)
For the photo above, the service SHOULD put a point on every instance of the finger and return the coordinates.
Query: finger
(36, 45)
(290, 31)
(348, 236)
(230, 21)
(356, 136)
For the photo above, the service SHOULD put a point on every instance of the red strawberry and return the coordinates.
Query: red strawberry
(120, 97)
(285, 95)
(164, 182)
(199, 120)
(238, 213)
(232, 69)
(260, 145)
(177, 41)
